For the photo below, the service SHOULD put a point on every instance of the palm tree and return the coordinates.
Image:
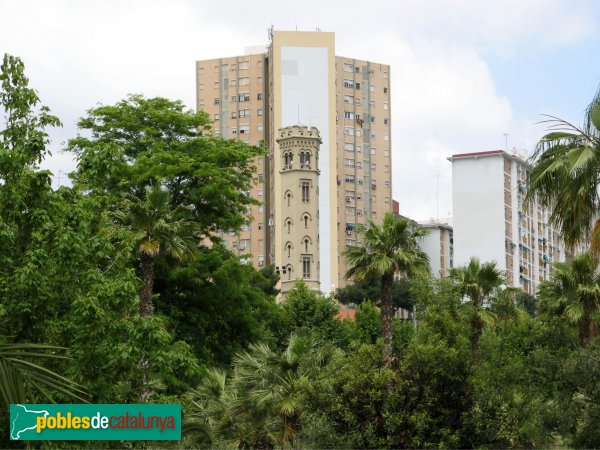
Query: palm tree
(21, 379)
(476, 282)
(573, 293)
(259, 405)
(387, 249)
(566, 176)
(157, 229)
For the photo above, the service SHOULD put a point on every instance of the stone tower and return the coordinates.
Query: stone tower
(298, 208)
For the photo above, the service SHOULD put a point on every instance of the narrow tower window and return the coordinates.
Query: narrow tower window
(306, 267)
(305, 191)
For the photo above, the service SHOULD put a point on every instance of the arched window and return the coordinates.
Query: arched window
(305, 159)
(288, 224)
(288, 247)
(289, 272)
(288, 197)
(288, 159)
(305, 219)
(306, 242)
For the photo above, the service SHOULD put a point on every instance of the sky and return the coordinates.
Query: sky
(466, 75)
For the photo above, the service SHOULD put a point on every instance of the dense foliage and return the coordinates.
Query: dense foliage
(115, 291)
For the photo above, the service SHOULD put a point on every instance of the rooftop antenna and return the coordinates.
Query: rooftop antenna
(437, 197)
(506, 142)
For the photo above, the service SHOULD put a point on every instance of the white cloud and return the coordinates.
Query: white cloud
(444, 98)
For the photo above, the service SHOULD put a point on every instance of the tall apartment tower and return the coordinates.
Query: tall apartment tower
(439, 247)
(492, 221)
(298, 80)
(298, 208)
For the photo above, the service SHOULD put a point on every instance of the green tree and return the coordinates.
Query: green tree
(387, 249)
(565, 175)
(157, 229)
(371, 289)
(218, 305)
(259, 405)
(368, 323)
(143, 142)
(307, 312)
(477, 282)
(573, 293)
(350, 403)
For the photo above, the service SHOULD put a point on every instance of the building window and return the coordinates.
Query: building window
(306, 266)
(348, 99)
(304, 160)
(288, 224)
(259, 96)
(372, 119)
(385, 105)
(234, 114)
(260, 226)
(217, 116)
(243, 65)
(244, 97)
(386, 137)
(385, 90)
(306, 242)
(386, 121)
(348, 162)
(349, 131)
(288, 160)
(348, 115)
(357, 86)
(259, 112)
(234, 99)
(216, 85)
(305, 191)
(217, 100)
(348, 147)
(349, 83)
(244, 129)
(305, 217)
(288, 247)
(348, 68)
(244, 113)
(260, 192)
(244, 81)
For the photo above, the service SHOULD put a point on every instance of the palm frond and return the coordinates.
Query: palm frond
(17, 371)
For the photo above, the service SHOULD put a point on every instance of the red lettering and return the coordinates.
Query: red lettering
(111, 421)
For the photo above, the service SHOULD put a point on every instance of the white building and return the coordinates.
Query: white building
(492, 222)
(439, 247)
